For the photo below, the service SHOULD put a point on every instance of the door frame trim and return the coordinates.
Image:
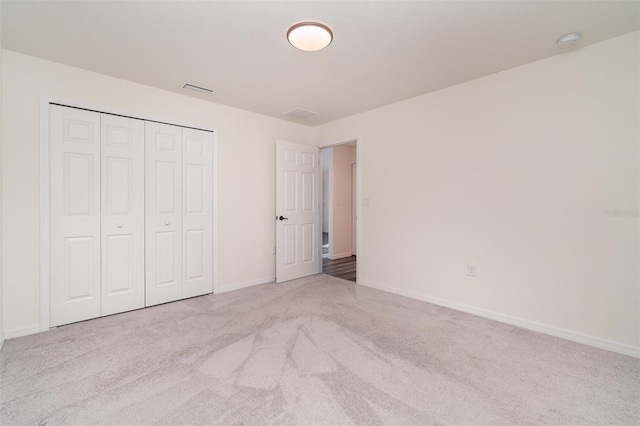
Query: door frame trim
(357, 139)
(45, 267)
(354, 212)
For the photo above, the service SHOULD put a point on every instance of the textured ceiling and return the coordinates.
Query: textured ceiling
(382, 52)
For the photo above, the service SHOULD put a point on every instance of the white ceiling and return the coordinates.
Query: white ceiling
(382, 52)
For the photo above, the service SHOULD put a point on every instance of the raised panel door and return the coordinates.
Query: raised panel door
(297, 212)
(74, 137)
(163, 213)
(197, 211)
(122, 193)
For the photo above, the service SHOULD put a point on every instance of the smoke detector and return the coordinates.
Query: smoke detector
(568, 40)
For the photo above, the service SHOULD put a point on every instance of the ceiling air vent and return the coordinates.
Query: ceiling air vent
(299, 113)
(202, 90)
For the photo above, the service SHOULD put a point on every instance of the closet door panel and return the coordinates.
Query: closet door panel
(122, 192)
(163, 194)
(74, 137)
(197, 187)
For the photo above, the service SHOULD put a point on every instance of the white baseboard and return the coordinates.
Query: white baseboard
(245, 284)
(24, 331)
(339, 256)
(518, 322)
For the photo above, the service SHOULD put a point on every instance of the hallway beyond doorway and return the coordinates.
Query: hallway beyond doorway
(344, 268)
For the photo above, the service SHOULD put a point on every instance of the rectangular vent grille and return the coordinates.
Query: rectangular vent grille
(299, 113)
(198, 89)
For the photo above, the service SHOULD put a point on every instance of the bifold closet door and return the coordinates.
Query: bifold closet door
(96, 214)
(179, 213)
(74, 198)
(163, 213)
(197, 219)
(122, 189)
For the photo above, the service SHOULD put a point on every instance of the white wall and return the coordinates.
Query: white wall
(340, 232)
(513, 172)
(246, 197)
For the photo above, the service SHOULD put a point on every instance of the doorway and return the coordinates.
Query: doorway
(339, 210)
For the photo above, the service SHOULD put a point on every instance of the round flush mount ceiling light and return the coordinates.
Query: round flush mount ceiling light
(309, 36)
(568, 40)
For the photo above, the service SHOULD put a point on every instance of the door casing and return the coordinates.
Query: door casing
(331, 144)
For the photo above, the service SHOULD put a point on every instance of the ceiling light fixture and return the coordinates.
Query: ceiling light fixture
(309, 36)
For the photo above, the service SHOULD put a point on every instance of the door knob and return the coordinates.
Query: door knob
(283, 218)
(166, 224)
(119, 225)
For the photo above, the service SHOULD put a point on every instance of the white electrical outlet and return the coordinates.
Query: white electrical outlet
(472, 270)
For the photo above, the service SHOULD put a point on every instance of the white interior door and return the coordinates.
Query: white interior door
(74, 214)
(122, 189)
(197, 209)
(163, 223)
(354, 207)
(297, 210)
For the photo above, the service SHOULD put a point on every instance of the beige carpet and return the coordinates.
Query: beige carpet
(314, 351)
